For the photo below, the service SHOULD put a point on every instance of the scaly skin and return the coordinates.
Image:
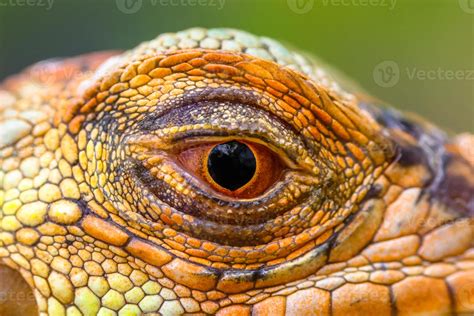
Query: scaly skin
(373, 215)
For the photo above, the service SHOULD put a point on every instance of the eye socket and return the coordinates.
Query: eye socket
(237, 168)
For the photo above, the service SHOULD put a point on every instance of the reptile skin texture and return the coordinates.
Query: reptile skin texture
(372, 214)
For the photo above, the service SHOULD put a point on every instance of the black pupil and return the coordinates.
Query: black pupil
(231, 165)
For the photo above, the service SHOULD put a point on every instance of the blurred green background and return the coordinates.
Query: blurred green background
(422, 37)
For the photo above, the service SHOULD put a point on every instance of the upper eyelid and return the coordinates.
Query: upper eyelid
(179, 142)
(256, 124)
(262, 141)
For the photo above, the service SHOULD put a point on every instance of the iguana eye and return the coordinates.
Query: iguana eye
(236, 168)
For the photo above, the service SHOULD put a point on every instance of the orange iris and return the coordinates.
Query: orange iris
(240, 169)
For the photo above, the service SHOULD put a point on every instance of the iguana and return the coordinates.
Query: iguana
(212, 171)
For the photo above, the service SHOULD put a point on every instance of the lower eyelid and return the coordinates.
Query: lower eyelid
(191, 195)
(165, 163)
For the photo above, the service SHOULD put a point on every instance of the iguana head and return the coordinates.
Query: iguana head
(215, 171)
